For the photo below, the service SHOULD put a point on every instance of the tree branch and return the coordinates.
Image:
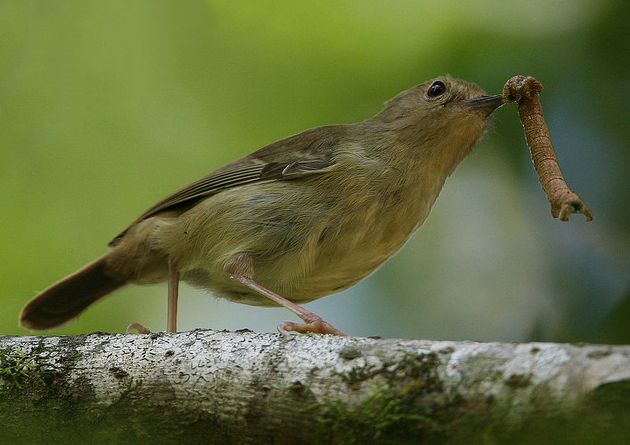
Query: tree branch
(243, 387)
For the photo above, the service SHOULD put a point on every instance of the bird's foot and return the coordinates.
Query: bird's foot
(138, 328)
(317, 326)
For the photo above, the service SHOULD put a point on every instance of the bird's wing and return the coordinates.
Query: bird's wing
(271, 163)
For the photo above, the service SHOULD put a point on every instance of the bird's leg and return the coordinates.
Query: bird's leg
(313, 322)
(173, 293)
(241, 268)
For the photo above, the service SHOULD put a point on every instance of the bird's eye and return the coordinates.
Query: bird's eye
(436, 89)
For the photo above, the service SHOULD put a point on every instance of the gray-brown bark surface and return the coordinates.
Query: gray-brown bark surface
(251, 388)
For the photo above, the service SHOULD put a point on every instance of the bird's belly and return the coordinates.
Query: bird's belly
(306, 274)
(355, 254)
(302, 253)
(327, 263)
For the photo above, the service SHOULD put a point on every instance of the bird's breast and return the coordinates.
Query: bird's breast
(359, 231)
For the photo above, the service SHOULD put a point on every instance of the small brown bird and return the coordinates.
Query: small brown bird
(299, 219)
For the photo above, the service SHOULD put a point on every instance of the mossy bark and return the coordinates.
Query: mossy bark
(249, 388)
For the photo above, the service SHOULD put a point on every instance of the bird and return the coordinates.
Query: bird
(301, 218)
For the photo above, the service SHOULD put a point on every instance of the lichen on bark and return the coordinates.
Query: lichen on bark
(244, 387)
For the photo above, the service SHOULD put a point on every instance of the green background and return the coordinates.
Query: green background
(108, 106)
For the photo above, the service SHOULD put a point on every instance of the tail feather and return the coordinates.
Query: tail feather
(67, 298)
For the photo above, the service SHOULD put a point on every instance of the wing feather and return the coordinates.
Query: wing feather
(234, 175)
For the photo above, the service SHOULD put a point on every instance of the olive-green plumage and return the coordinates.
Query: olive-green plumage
(316, 212)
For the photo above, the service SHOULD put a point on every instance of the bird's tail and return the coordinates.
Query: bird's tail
(67, 298)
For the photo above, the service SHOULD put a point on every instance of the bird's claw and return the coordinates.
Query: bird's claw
(315, 327)
(138, 328)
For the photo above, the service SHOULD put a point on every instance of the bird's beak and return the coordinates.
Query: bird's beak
(486, 103)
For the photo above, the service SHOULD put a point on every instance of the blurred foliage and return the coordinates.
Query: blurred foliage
(106, 107)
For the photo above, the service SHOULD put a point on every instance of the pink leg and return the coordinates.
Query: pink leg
(173, 293)
(240, 268)
(314, 323)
